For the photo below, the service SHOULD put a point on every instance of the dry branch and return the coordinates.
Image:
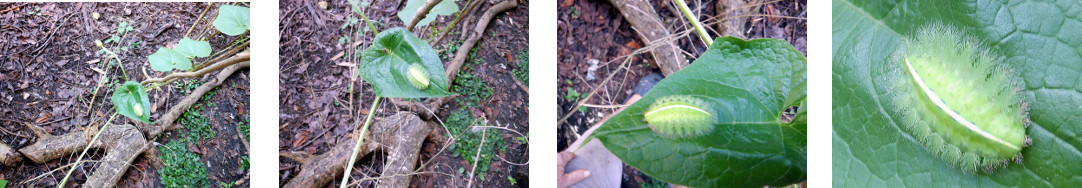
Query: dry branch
(122, 143)
(421, 13)
(8, 156)
(644, 20)
(400, 135)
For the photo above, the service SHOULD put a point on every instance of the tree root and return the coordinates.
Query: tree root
(644, 21)
(460, 59)
(123, 143)
(422, 13)
(401, 136)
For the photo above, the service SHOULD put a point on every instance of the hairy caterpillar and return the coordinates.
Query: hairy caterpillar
(958, 101)
(418, 76)
(679, 116)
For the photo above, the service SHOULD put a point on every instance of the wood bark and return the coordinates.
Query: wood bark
(8, 156)
(644, 20)
(122, 144)
(400, 135)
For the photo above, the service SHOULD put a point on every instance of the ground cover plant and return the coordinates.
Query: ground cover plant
(151, 75)
(435, 107)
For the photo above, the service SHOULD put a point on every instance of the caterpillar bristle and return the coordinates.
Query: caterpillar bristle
(418, 76)
(957, 100)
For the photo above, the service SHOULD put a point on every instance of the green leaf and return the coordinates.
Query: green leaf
(1037, 39)
(166, 59)
(749, 84)
(120, 28)
(193, 48)
(385, 63)
(131, 100)
(232, 20)
(446, 7)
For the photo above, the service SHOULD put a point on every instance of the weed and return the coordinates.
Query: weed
(473, 87)
(512, 180)
(181, 167)
(197, 124)
(574, 12)
(245, 128)
(523, 71)
(187, 86)
(466, 145)
(573, 95)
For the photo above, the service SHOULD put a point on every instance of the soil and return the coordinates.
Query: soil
(595, 31)
(317, 111)
(47, 57)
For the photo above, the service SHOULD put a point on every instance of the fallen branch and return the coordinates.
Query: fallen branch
(644, 21)
(401, 135)
(8, 156)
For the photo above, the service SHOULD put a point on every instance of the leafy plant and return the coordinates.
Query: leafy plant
(198, 125)
(749, 84)
(466, 145)
(232, 20)
(446, 7)
(870, 146)
(473, 87)
(386, 63)
(181, 168)
(523, 70)
(131, 100)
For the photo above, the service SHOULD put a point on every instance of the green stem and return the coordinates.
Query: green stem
(694, 22)
(357, 148)
(374, 30)
(118, 62)
(91, 143)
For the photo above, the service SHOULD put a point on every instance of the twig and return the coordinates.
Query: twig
(470, 5)
(422, 13)
(211, 4)
(475, 157)
(583, 100)
(87, 148)
(357, 147)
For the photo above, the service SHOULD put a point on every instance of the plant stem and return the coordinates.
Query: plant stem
(91, 143)
(118, 62)
(374, 30)
(357, 148)
(694, 22)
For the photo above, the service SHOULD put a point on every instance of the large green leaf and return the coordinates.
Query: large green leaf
(131, 100)
(193, 48)
(166, 59)
(445, 7)
(385, 64)
(232, 20)
(749, 84)
(1040, 40)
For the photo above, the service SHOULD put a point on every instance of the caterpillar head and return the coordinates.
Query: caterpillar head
(418, 76)
(958, 100)
(680, 116)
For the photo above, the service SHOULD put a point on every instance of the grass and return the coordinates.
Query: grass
(181, 168)
(466, 145)
(523, 70)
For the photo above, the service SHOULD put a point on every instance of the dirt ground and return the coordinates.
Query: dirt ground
(315, 101)
(595, 30)
(47, 55)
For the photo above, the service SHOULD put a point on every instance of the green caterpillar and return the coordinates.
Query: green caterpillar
(418, 76)
(958, 101)
(680, 116)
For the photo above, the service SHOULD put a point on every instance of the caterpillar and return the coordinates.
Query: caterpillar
(958, 101)
(417, 76)
(138, 109)
(680, 116)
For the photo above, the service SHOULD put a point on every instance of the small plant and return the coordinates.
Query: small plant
(181, 168)
(198, 126)
(465, 146)
(473, 87)
(523, 70)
